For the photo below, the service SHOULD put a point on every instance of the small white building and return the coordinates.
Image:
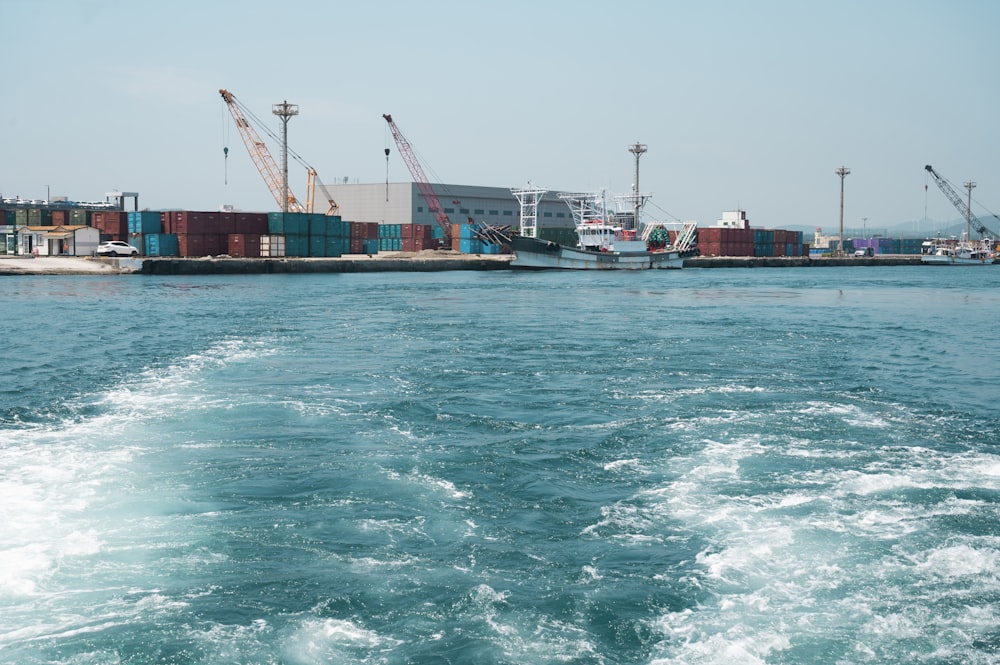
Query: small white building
(58, 240)
(734, 219)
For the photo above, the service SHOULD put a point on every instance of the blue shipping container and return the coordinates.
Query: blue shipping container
(144, 221)
(160, 244)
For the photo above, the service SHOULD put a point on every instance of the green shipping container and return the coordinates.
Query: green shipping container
(78, 217)
(275, 223)
(335, 246)
(296, 245)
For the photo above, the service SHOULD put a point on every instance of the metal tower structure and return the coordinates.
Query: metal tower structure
(636, 149)
(260, 155)
(842, 172)
(285, 111)
(969, 185)
(529, 197)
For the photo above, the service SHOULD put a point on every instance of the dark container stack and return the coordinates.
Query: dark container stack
(113, 224)
(464, 240)
(418, 237)
(310, 234)
(718, 241)
(390, 237)
(725, 241)
(363, 237)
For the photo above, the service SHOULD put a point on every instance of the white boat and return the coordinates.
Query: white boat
(960, 252)
(606, 239)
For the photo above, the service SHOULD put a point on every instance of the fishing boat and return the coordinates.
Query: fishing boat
(958, 252)
(608, 237)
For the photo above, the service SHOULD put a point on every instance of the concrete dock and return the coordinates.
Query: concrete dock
(426, 261)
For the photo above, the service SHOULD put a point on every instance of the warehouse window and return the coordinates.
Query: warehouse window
(547, 214)
(449, 210)
(478, 211)
(420, 208)
(494, 213)
(463, 211)
(507, 213)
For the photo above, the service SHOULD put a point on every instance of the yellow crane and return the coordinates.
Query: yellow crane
(265, 163)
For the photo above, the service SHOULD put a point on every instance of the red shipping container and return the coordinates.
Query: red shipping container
(710, 248)
(709, 235)
(189, 221)
(244, 245)
(111, 222)
(226, 224)
(250, 223)
(190, 244)
(215, 244)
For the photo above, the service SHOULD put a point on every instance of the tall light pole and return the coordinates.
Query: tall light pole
(284, 111)
(842, 172)
(968, 215)
(636, 149)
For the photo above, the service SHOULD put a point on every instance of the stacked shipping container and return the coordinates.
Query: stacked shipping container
(720, 241)
(464, 240)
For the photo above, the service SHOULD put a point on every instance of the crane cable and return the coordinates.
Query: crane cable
(225, 144)
(267, 130)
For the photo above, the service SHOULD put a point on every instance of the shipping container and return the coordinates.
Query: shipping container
(191, 244)
(145, 221)
(272, 245)
(189, 221)
(160, 244)
(390, 244)
(469, 245)
(335, 246)
(112, 222)
(39, 217)
(79, 216)
(243, 245)
(296, 245)
(255, 223)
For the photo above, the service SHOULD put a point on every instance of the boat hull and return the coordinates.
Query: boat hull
(535, 254)
(939, 260)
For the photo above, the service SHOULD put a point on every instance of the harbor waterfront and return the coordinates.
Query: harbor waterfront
(427, 261)
(763, 466)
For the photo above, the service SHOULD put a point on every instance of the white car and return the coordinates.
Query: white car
(116, 248)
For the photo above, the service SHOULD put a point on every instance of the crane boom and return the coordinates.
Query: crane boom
(433, 204)
(259, 153)
(957, 201)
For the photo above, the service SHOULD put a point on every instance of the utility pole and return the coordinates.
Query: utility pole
(636, 149)
(284, 111)
(842, 172)
(968, 213)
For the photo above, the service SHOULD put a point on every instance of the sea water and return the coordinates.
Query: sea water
(701, 466)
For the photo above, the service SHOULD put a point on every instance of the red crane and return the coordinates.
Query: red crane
(433, 204)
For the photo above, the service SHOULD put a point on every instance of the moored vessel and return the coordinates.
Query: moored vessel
(606, 239)
(958, 252)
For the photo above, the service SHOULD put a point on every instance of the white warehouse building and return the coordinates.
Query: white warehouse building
(402, 203)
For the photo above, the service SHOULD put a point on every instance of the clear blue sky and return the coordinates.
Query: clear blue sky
(749, 104)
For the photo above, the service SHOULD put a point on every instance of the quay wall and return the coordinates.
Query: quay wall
(230, 266)
(797, 261)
